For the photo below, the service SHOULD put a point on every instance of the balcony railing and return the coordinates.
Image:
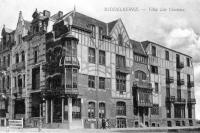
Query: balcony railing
(3, 67)
(180, 101)
(191, 101)
(180, 65)
(69, 61)
(190, 84)
(169, 80)
(123, 69)
(18, 66)
(180, 82)
(142, 84)
(170, 99)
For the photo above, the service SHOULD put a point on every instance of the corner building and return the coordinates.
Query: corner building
(79, 70)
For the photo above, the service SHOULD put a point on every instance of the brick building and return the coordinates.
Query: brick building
(74, 70)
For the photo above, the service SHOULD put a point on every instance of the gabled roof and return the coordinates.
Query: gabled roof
(85, 21)
(111, 25)
(137, 47)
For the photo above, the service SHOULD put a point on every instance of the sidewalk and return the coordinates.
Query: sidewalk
(196, 129)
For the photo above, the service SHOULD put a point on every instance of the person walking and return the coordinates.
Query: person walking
(103, 123)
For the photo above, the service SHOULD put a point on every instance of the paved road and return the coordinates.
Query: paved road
(195, 129)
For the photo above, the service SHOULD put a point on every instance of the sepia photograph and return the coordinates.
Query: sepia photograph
(86, 66)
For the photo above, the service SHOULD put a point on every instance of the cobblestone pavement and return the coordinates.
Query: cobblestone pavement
(195, 129)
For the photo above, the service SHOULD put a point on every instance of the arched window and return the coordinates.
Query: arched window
(121, 108)
(102, 110)
(91, 110)
(140, 75)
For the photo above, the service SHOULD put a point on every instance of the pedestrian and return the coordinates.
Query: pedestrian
(103, 123)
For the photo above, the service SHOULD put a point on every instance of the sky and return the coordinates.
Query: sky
(171, 23)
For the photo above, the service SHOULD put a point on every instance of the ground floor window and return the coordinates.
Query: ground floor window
(76, 108)
(179, 111)
(178, 123)
(91, 110)
(121, 122)
(169, 123)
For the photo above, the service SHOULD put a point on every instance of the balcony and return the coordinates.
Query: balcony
(169, 80)
(180, 101)
(3, 67)
(170, 99)
(180, 65)
(123, 69)
(69, 61)
(180, 82)
(190, 84)
(191, 101)
(18, 66)
(142, 84)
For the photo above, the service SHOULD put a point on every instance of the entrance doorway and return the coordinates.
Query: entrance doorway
(57, 110)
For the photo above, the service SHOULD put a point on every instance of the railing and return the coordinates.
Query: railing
(3, 67)
(180, 82)
(142, 84)
(169, 80)
(71, 60)
(180, 65)
(170, 99)
(180, 100)
(123, 69)
(18, 66)
(190, 84)
(191, 101)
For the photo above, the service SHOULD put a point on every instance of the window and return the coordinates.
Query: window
(121, 108)
(3, 82)
(15, 82)
(8, 81)
(179, 93)
(36, 78)
(188, 61)
(4, 60)
(179, 111)
(8, 60)
(23, 56)
(153, 51)
(102, 110)
(121, 82)
(167, 73)
(91, 56)
(19, 38)
(120, 39)
(168, 110)
(101, 83)
(76, 108)
(75, 78)
(156, 88)
(91, 81)
(154, 69)
(167, 91)
(140, 75)
(93, 31)
(102, 57)
(167, 55)
(17, 58)
(155, 109)
(100, 33)
(91, 110)
(20, 81)
(74, 49)
(35, 56)
(24, 79)
(189, 111)
(69, 78)
(120, 61)
(121, 122)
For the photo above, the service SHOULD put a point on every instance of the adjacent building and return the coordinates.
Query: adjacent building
(72, 70)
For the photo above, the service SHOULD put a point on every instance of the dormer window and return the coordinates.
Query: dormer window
(120, 39)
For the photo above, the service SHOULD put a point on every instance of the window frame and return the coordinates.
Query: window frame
(91, 109)
(102, 57)
(91, 55)
(91, 81)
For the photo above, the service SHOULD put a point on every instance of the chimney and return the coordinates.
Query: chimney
(60, 14)
(46, 13)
